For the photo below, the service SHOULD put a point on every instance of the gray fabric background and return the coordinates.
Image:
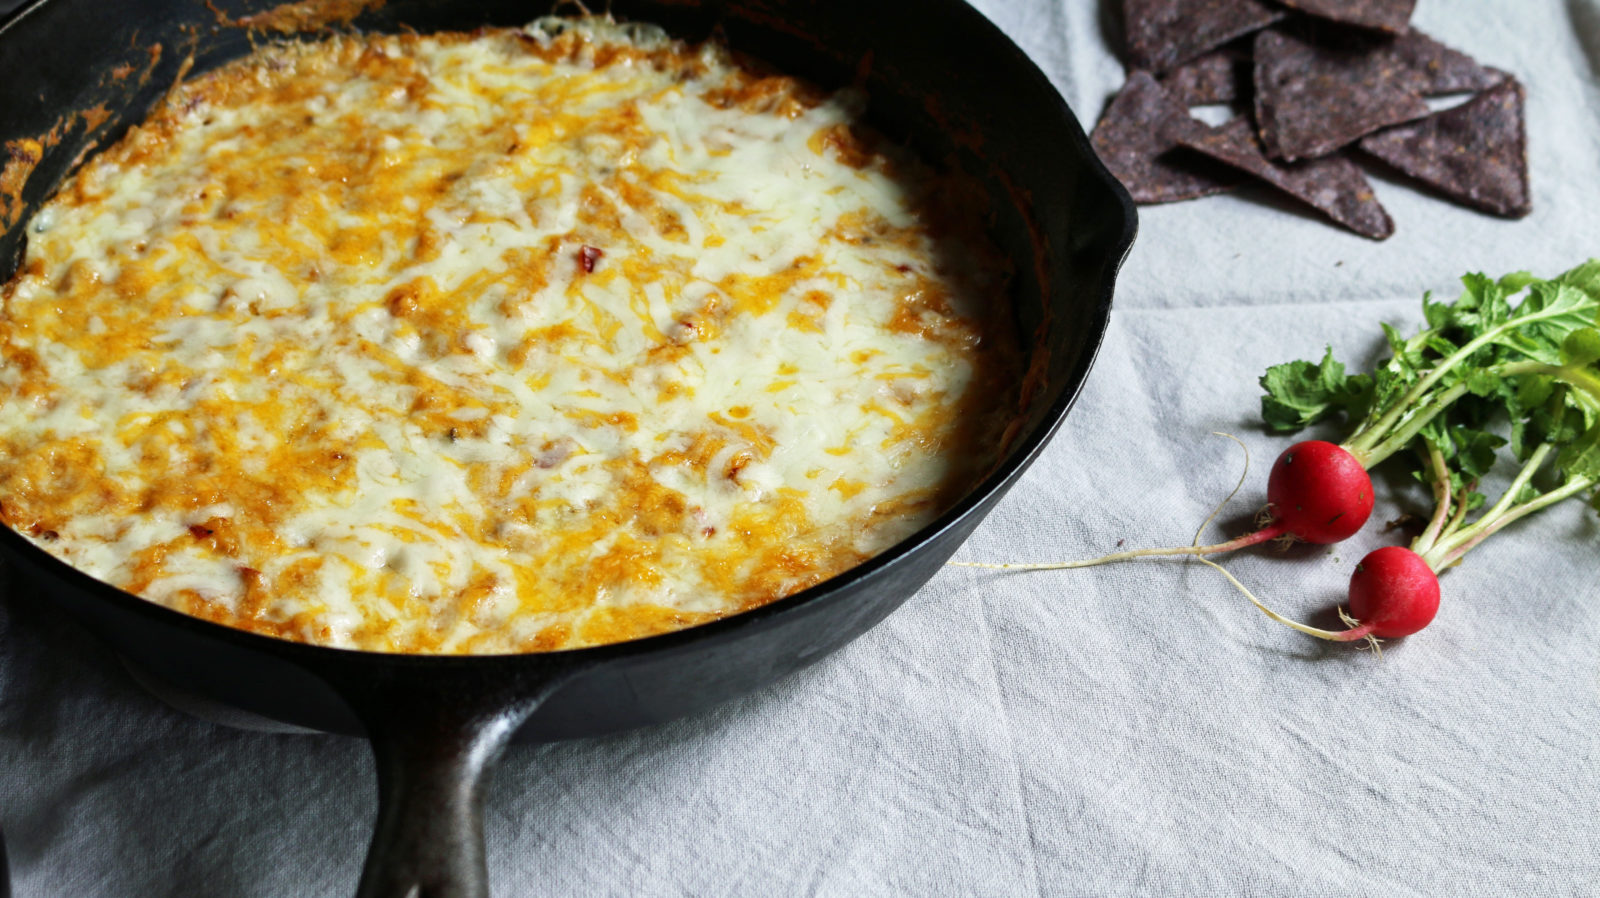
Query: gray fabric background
(1135, 730)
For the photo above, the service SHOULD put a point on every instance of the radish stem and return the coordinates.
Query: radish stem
(1448, 552)
(1507, 499)
(1361, 443)
(1372, 456)
(1441, 498)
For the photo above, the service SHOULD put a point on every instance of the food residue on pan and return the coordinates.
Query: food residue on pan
(304, 15)
(22, 156)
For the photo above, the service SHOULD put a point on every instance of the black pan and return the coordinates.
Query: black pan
(940, 77)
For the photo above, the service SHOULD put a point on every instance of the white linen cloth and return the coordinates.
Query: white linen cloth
(1128, 730)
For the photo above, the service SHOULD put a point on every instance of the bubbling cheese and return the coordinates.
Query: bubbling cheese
(514, 341)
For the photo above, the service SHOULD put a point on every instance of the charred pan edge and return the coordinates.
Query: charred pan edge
(24, 154)
(306, 15)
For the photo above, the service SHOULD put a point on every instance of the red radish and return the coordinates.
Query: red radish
(1319, 492)
(1393, 593)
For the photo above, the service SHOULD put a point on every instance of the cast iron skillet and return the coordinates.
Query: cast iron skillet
(940, 77)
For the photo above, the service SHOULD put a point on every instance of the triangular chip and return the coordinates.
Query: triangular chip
(1130, 139)
(1163, 33)
(1220, 76)
(1332, 184)
(1385, 15)
(1312, 99)
(1437, 69)
(1475, 153)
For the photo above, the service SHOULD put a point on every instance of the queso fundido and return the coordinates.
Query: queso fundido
(511, 341)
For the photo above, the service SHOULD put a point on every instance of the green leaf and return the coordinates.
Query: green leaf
(1585, 277)
(1581, 457)
(1482, 306)
(1475, 452)
(1533, 390)
(1528, 394)
(1581, 347)
(1514, 282)
(1407, 356)
(1301, 393)
(1484, 383)
(1437, 314)
(1550, 312)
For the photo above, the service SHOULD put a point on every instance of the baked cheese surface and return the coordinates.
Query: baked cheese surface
(516, 341)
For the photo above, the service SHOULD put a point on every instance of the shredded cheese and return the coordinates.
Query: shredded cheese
(516, 341)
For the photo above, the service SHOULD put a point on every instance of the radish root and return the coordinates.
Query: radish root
(1357, 630)
(1265, 531)
(1263, 517)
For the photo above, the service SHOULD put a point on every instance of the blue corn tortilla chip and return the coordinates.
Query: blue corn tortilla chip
(1131, 140)
(1313, 98)
(1221, 76)
(1393, 16)
(1475, 153)
(1333, 185)
(1436, 69)
(1430, 68)
(1160, 34)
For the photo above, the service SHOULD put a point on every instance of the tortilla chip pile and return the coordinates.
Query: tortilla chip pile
(1326, 82)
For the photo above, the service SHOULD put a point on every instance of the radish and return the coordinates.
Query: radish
(1529, 370)
(1393, 593)
(1533, 368)
(1319, 493)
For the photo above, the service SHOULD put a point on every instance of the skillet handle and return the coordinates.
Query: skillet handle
(435, 749)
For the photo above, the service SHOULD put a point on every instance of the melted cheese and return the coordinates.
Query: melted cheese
(511, 342)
